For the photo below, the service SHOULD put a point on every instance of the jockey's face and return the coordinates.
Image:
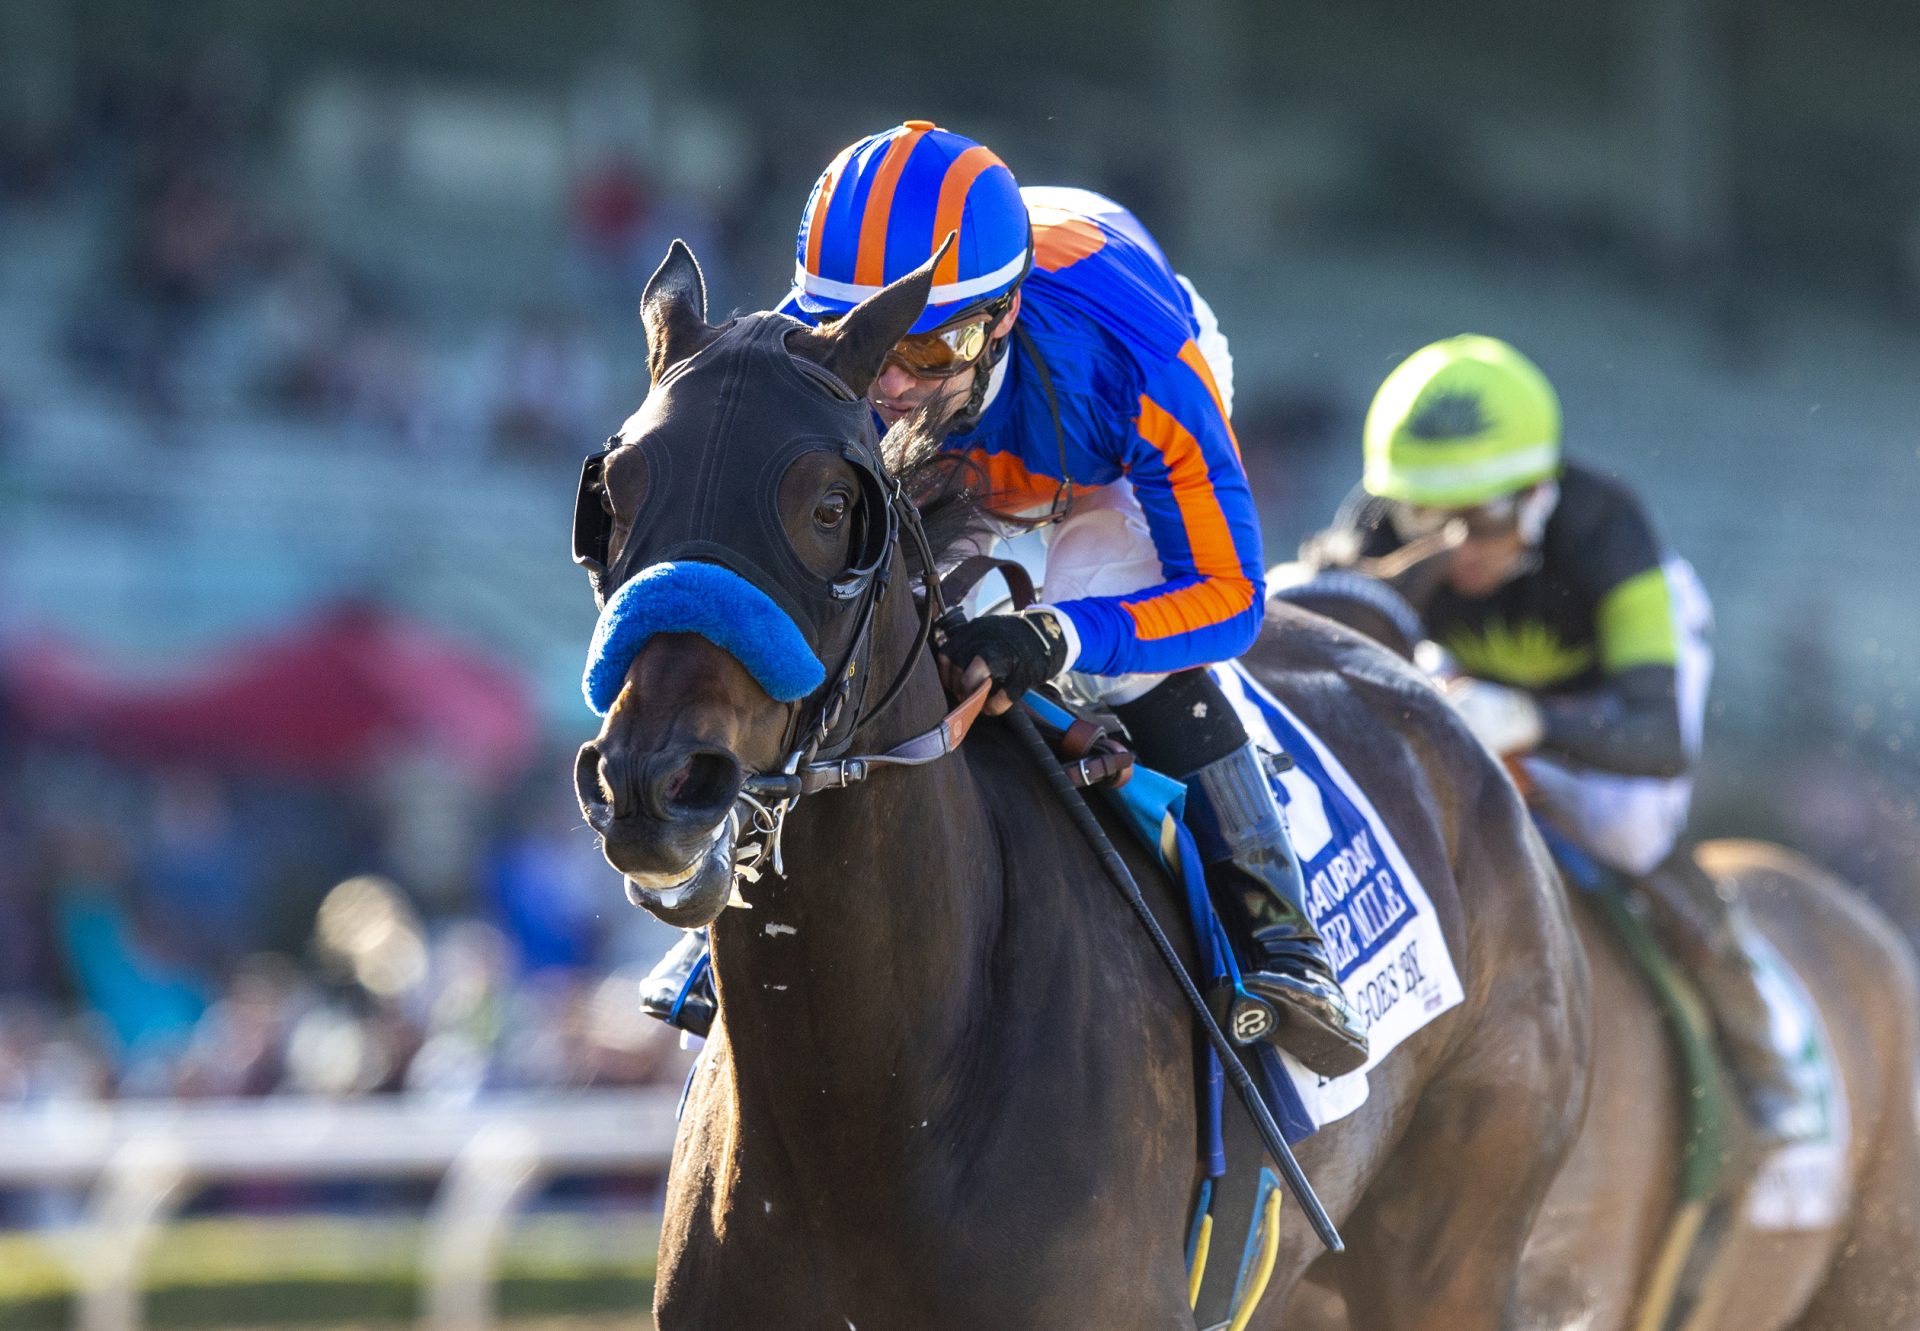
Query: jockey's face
(898, 391)
(1483, 562)
(1488, 541)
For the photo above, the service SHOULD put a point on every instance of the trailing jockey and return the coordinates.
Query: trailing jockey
(1580, 645)
(1092, 386)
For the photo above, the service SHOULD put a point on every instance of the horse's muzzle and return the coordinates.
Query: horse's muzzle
(664, 823)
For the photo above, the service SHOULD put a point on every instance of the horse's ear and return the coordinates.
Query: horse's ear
(673, 310)
(856, 347)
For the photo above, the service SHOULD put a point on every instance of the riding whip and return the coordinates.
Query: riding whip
(1122, 878)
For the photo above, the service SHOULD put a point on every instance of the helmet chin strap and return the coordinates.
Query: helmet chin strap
(1535, 510)
(1530, 518)
(985, 388)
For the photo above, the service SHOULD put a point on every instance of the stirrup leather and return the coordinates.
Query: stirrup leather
(1255, 876)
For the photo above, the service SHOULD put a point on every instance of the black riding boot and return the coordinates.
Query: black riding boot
(1706, 928)
(679, 989)
(1187, 726)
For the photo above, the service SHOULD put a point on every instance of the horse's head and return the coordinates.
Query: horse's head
(739, 530)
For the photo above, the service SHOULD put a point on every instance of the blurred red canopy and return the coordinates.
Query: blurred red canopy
(328, 697)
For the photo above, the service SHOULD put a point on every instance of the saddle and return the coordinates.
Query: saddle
(1087, 745)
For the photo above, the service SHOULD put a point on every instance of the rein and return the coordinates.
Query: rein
(839, 773)
(770, 796)
(1063, 497)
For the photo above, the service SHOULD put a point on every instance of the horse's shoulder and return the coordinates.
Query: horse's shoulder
(1035, 836)
(1020, 805)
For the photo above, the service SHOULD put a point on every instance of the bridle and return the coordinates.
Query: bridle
(818, 761)
(821, 726)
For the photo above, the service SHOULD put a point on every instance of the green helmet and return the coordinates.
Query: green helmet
(1459, 423)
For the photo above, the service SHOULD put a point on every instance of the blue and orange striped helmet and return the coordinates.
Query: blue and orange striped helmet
(883, 206)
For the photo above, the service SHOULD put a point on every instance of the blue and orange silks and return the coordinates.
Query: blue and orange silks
(1137, 401)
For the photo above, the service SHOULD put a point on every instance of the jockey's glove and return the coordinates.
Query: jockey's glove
(1506, 720)
(1019, 650)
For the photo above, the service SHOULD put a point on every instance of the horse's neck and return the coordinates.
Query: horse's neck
(860, 973)
(890, 1054)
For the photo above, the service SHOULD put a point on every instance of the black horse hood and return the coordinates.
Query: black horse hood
(718, 431)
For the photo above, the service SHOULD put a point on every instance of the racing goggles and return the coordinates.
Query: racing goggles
(1496, 517)
(947, 351)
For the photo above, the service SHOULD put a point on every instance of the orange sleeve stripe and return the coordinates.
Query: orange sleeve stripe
(1200, 606)
(871, 267)
(1060, 239)
(1208, 535)
(1011, 488)
(815, 227)
(1228, 591)
(964, 170)
(1191, 358)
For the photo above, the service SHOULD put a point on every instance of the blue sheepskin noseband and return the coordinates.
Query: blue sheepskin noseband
(714, 602)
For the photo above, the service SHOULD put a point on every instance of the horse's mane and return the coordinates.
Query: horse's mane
(949, 489)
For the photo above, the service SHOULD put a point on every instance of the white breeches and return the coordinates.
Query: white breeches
(1102, 549)
(1631, 823)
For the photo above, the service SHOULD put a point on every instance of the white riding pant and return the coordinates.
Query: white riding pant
(1632, 823)
(1104, 547)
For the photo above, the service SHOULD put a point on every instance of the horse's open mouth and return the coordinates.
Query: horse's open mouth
(674, 869)
(693, 897)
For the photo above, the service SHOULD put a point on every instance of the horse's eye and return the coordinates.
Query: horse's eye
(606, 500)
(831, 511)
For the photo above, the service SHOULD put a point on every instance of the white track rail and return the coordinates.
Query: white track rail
(142, 1160)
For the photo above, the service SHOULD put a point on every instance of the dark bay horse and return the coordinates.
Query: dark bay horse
(1594, 1252)
(951, 1086)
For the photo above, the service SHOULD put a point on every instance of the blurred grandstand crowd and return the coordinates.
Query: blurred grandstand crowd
(185, 912)
(218, 295)
(232, 927)
(159, 935)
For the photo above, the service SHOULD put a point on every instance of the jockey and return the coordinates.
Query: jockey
(1061, 353)
(1581, 646)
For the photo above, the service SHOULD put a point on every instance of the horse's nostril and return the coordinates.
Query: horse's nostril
(590, 785)
(701, 783)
